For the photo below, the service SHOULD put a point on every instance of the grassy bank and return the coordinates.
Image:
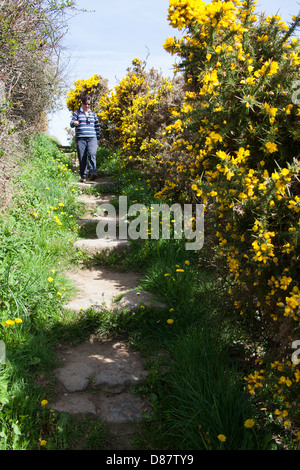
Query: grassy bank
(197, 358)
(36, 249)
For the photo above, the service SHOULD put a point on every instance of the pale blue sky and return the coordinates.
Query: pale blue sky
(105, 40)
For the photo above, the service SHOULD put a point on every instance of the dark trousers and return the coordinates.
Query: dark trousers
(87, 149)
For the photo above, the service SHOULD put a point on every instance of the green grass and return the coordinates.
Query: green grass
(195, 384)
(36, 250)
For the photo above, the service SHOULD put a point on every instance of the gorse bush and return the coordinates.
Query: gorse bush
(95, 87)
(136, 113)
(238, 136)
(227, 134)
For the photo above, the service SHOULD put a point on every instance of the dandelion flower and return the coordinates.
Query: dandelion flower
(43, 442)
(170, 321)
(18, 320)
(50, 279)
(249, 423)
(59, 293)
(222, 438)
(298, 437)
(44, 402)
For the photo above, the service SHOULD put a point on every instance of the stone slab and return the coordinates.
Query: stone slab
(99, 245)
(122, 412)
(74, 403)
(133, 299)
(98, 287)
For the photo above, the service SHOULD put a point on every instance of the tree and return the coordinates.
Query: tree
(31, 77)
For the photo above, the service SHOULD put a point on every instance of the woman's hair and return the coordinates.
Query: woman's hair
(85, 99)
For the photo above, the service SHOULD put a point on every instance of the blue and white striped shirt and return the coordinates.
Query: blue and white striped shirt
(87, 127)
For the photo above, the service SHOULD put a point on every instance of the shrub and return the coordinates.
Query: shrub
(94, 86)
(237, 135)
(232, 144)
(137, 112)
(230, 139)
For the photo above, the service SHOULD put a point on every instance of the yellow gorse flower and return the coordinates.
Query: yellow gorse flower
(271, 147)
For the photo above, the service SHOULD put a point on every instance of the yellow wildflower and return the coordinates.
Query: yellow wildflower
(249, 423)
(271, 147)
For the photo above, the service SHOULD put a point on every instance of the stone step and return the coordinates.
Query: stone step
(120, 413)
(105, 365)
(95, 378)
(134, 299)
(123, 412)
(104, 219)
(100, 245)
(98, 287)
(116, 377)
(94, 202)
(105, 181)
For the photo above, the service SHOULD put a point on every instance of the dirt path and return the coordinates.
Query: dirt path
(96, 377)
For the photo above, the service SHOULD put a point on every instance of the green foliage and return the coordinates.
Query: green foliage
(31, 33)
(231, 143)
(35, 252)
(229, 139)
(207, 396)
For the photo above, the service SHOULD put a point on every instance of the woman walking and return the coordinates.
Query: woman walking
(87, 138)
